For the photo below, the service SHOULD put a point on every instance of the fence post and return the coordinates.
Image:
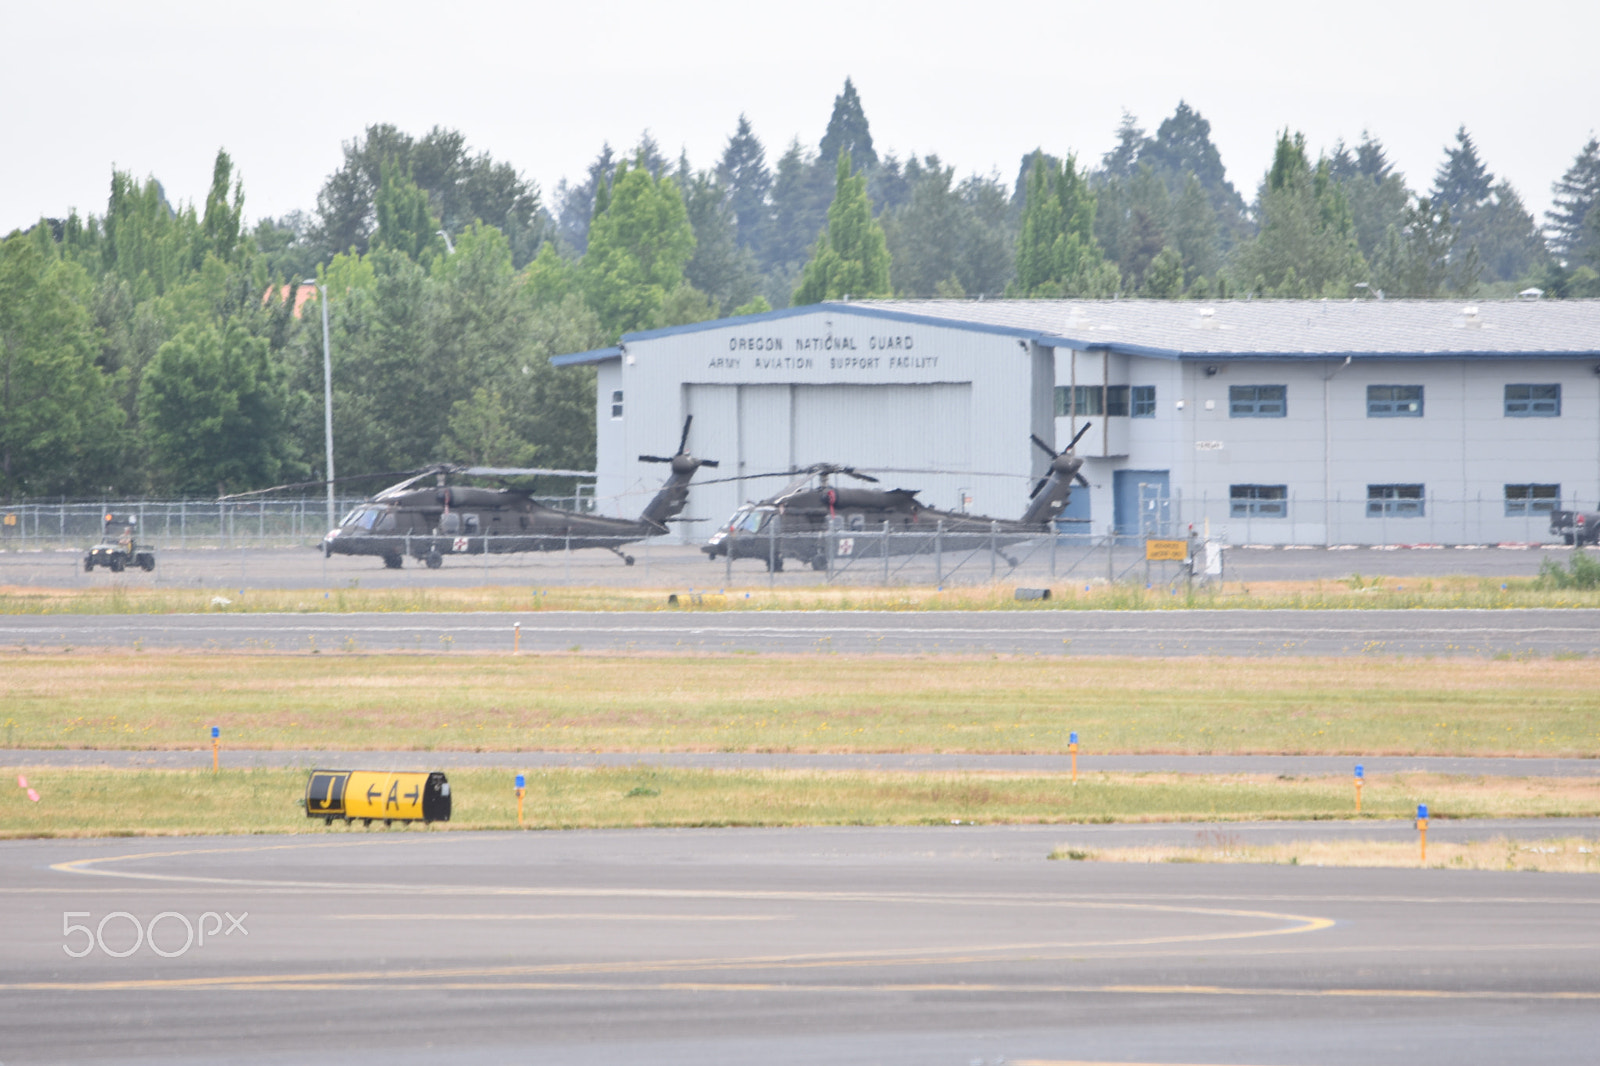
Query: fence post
(938, 554)
(886, 552)
(1111, 550)
(994, 529)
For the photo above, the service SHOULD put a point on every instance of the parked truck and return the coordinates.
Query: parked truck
(1576, 527)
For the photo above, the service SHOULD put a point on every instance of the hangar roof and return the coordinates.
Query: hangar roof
(1239, 329)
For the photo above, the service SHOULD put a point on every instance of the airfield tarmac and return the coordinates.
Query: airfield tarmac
(684, 567)
(940, 945)
(1552, 631)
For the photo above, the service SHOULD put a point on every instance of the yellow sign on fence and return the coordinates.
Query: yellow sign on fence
(1159, 551)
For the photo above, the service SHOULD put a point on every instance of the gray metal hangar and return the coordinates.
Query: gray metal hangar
(1276, 422)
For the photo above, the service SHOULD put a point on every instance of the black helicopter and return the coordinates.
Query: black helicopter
(811, 520)
(442, 519)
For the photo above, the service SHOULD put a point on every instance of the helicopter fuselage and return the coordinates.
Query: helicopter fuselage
(431, 523)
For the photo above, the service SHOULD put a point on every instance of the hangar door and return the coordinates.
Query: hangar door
(778, 427)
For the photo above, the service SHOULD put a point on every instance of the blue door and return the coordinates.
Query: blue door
(1125, 491)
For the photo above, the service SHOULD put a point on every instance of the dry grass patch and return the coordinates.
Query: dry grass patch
(1549, 855)
(81, 802)
(803, 704)
(1354, 592)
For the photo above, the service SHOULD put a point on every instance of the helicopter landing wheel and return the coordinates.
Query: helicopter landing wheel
(434, 560)
(775, 566)
(393, 562)
(819, 562)
(627, 560)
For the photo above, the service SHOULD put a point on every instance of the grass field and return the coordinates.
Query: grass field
(1556, 855)
(153, 802)
(1353, 592)
(802, 704)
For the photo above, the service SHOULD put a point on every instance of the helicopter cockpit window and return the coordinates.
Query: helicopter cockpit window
(366, 518)
(750, 521)
(472, 523)
(858, 521)
(386, 523)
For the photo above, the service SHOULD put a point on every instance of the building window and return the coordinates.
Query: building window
(1090, 400)
(1142, 401)
(1258, 501)
(1531, 499)
(616, 403)
(1533, 401)
(1394, 501)
(1394, 401)
(1258, 401)
(1117, 400)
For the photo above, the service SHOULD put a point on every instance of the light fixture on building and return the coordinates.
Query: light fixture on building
(1211, 371)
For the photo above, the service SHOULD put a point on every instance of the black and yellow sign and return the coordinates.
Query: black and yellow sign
(393, 796)
(1166, 551)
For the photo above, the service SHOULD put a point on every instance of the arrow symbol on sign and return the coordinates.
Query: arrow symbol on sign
(413, 794)
(373, 792)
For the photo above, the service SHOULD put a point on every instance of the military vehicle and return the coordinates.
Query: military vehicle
(117, 552)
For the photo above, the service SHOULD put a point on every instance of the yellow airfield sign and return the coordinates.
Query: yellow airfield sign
(1166, 551)
(393, 796)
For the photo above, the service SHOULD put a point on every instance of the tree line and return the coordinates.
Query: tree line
(161, 348)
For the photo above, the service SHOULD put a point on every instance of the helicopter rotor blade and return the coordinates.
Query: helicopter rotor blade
(1081, 480)
(655, 459)
(1037, 486)
(517, 471)
(713, 463)
(1051, 452)
(683, 441)
(853, 472)
(1074, 442)
(319, 484)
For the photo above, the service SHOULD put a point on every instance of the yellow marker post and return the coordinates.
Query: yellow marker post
(1422, 828)
(1360, 775)
(522, 783)
(1072, 746)
(516, 638)
(216, 743)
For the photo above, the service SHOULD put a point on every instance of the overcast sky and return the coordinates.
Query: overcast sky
(156, 87)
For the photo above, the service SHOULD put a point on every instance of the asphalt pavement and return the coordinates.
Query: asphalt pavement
(1541, 632)
(851, 945)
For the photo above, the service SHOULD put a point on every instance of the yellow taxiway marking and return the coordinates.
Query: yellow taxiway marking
(344, 983)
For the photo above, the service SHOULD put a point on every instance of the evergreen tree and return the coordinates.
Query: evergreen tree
(1056, 250)
(719, 268)
(852, 256)
(1181, 146)
(1193, 232)
(799, 209)
(575, 204)
(1377, 194)
(1307, 245)
(847, 132)
(1131, 143)
(743, 172)
(1424, 257)
(1573, 222)
(1462, 182)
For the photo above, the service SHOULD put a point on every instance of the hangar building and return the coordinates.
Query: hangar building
(1280, 421)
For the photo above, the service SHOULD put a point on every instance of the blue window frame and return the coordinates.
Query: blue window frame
(1258, 401)
(1533, 401)
(1258, 501)
(1395, 501)
(1531, 499)
(1142, 401)
(1394, 401)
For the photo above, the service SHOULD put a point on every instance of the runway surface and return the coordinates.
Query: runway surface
(944, 945)
(1297, 765)
(1043, 632)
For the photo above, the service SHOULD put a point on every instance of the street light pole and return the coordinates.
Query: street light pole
(327, 394)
